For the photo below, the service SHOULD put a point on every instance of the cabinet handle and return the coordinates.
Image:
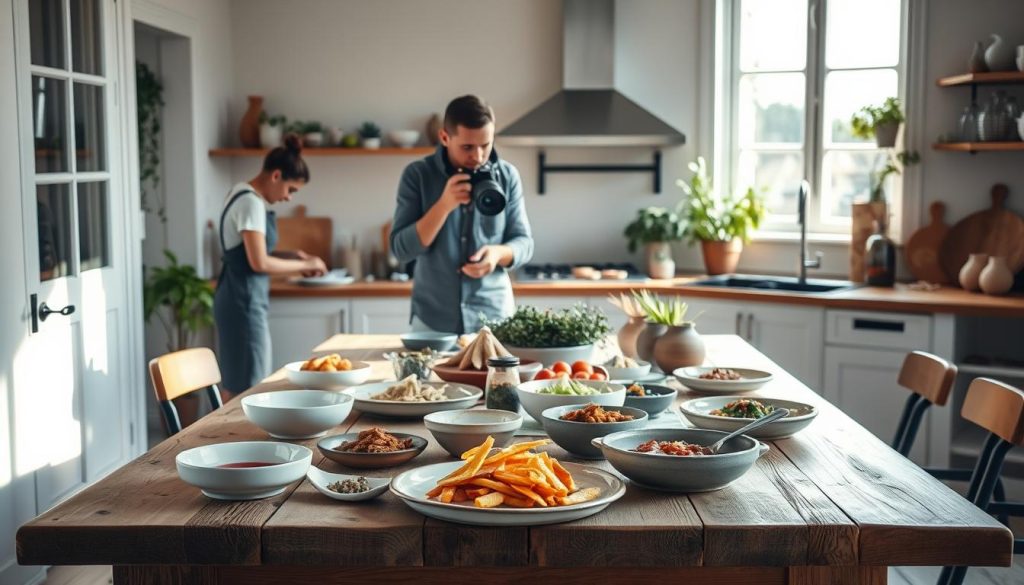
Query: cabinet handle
(878, 325)
(750, 326)
(739, 317)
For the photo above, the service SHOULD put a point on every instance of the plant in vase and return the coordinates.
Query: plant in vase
(370, 134)
(271, 130)
(656, 228)
(721, 224)
(894, 166)
(879, 122)
(673, 341)
(312, 134)
(548, 336)
(636, 318)
(180, 299)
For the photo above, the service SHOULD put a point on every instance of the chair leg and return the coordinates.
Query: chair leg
(914, 423)
(170, 417)
(901, 427)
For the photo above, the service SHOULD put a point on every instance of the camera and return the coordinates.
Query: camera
(486, 192)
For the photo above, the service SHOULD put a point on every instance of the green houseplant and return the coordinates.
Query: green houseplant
(180, 299)
(668, 338)
(881, 122)
(149, 98)
(656, 228)
(548, 335)
(271, 129)
(721, 224)
(370, 134)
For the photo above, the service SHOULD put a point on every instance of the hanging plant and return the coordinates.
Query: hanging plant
(149, 96)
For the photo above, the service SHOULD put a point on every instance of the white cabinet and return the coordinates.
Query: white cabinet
(380, 315)
(299, 325)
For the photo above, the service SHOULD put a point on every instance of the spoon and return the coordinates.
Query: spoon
(779, 413)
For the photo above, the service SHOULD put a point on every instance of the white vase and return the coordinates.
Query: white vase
(371, 143)
(335, 136)
(313, 139)
(971, 271)
(998, 55)
(996, 278)
(270, 136)
(659, 260)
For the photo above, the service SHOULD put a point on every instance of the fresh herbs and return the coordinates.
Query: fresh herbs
(867, 119)
(709, 218)
(654, 224)
(369, 130)
(658, 309)
(532, 327)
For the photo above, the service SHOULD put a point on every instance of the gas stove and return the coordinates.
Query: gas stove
(557, 272)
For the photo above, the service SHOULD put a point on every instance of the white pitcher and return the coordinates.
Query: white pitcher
(998, 55)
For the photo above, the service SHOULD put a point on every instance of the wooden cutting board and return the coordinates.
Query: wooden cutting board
(313, 235)
(996, 231)
(922, 249)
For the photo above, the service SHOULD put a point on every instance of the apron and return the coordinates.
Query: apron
(240, 311)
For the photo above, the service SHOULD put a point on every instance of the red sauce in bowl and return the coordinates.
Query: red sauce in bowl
(246, 464)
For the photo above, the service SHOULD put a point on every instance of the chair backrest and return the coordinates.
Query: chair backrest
(183, 372)
(928, 375)
(997, 408)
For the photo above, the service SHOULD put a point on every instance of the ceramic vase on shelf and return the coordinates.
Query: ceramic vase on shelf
(271, 136)
(976, 64)
(433, 127)
(721, 257)
(249, 127)
(659, 260)
(996, 278)
(371, 143)
(628, 335)
(647, 338)
(680, 346)
(999, 55)
(971, 271)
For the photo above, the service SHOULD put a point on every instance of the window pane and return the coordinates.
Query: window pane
(93, 226)
(848, 91)
(89, 129)
(46, 32)
(862, 33)
(86, 36)
(847, 176)
(776, 175)
(53, 217)
(49, 118)
(773, 35)
(771, 109)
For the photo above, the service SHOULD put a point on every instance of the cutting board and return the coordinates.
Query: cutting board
(996, 231)
(313, 235)
(922, 249)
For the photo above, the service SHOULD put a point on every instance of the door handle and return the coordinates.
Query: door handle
(750, 326)
(739, 319)
(40, 311)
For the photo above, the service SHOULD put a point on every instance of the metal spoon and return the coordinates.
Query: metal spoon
(779, 413)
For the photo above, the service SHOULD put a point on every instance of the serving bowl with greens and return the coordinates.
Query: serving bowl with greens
(549, 336)
(540, 395)
(728, 413)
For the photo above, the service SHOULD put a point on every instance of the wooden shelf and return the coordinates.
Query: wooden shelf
(978, 146)
(979, 78)
(328, 151)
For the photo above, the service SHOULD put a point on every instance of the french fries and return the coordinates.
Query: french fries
(514, 476)
(328, 363)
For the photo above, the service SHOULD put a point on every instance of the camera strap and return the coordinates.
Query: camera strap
(465, 233)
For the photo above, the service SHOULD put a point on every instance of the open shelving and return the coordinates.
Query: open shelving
(973, 80)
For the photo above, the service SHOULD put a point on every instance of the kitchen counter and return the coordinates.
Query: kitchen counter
(944, 300)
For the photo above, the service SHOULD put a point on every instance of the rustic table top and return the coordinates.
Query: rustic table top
(831, 495)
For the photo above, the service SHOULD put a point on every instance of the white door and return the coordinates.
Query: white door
(71, 411)
(714, 317)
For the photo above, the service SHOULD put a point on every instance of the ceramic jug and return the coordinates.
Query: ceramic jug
(998, 55)
(996, 278)
(628, 335)
(971, 271)
(680, 346)
(646, 340)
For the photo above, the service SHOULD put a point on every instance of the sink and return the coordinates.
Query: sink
(779, 283)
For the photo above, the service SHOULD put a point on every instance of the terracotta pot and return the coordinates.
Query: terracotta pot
(721, 257)
(659, 260)
(249, 127)
(628, 335)
(679, 347)
(996, 278)
(971, 271)
(647, 338)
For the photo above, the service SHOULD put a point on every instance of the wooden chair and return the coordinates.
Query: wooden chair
(930, 381)
(999, 409)
(180, 373)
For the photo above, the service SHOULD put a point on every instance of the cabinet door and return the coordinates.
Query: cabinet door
(862, 383)
(299, 325)
(792, 337)
(380, 316)
(715, 317)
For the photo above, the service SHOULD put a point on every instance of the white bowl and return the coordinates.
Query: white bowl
(550, 355)
(359, 373)
(321, 479)
(535, 404)
(697, 411)
(460, 430)
(642, 369)
(749, 381)
(297, 414)
(201, 467)
(404, 138)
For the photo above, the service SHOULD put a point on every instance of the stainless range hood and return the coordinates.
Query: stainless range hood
(588, 111)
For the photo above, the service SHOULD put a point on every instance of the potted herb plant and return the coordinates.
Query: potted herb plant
(656, 228)
(881, 122)
(180, 299)
(669, 339)
(370, 134)
(721, 224)
(271, 130)
(312, 134)
(548, 336)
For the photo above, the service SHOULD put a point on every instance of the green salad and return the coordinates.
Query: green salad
(744, 408)
(570, 387)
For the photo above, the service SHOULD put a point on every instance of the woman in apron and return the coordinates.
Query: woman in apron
(248, 232)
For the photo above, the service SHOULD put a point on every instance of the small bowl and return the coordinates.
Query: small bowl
(404, 138)
(418, 340)
(359, 373)
(202, 467)
(460, 430)
(369, 460)
(697, 411)
(527, 371)
(535, 404)
(659, 398)
(550, 355)
(641, 370)
(321, 479)
(297, 414)
(575, 437)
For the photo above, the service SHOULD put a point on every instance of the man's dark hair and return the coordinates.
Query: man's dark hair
(468, 111)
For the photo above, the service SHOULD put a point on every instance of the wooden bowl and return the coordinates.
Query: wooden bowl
(527, 370)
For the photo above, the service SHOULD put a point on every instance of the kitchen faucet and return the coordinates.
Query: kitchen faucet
(805, 190)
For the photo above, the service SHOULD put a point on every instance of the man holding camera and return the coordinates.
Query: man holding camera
(460, 216)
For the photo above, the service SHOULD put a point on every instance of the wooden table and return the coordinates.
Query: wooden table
(833, 504)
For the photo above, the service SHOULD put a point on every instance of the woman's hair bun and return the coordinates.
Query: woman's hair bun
(293, 143)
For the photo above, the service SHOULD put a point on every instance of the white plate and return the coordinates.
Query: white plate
(459, 396)
(412, 486)
(359, 373)
(749, 381)
(321, 479)
(651, 378)
(336, 277)
(696, 411)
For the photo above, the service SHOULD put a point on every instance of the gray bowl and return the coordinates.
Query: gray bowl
(460, 430)
(680, 474)
(369, 460)
(575, 437)
(436, 341)
(654, 405)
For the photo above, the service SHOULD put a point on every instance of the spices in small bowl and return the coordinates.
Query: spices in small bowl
(350, 486)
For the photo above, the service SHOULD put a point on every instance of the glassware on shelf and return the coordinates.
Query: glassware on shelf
(1012, 112)
(968, 128)
(993, 121)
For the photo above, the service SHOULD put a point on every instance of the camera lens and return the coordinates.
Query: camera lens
(489, 198)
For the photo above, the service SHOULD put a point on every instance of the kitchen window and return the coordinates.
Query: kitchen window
(794, 73)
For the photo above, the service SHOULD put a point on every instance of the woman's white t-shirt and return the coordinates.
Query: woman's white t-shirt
(248, 213)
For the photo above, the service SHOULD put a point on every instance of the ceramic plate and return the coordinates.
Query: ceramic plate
(321, 479)
(749, 381)
(697, 411)
(336, 277)
(411, 486)
(459, 396)
(651, 378)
